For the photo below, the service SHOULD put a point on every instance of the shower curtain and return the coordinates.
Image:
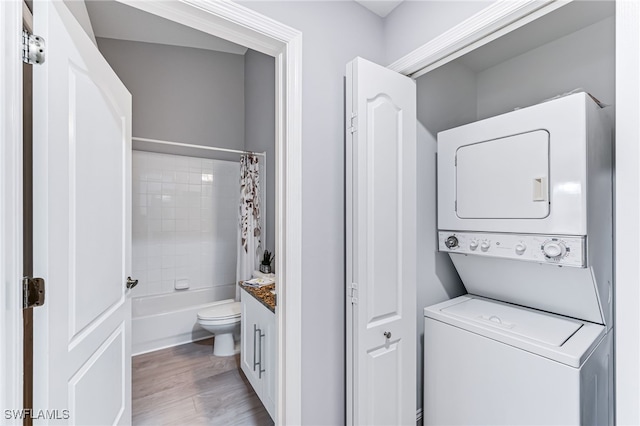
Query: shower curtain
(250, 220)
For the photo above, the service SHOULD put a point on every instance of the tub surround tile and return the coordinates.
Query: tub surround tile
(177, 213)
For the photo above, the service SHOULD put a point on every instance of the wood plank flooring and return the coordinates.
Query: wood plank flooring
(187, 385)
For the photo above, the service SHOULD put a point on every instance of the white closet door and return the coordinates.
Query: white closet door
(381, 246)
(82, 163)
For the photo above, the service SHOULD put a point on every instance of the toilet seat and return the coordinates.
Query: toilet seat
(225, 312)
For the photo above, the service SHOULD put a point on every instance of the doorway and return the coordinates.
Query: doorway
(277, 40)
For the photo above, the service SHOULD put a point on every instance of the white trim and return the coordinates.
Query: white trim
(627, 212)
(11, 205)
(205, 147)
(504, 16)
(236, 23)
(490, 23)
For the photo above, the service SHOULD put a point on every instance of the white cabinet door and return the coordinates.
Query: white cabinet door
(381, 246)
(269, 360)
(257, 349)
(250, 323)
(82, 162)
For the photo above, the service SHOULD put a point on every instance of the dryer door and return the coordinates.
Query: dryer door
(504, 178)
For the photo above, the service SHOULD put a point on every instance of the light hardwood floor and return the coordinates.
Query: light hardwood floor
(187, 385)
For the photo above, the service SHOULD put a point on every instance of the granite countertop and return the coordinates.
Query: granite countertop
(262, 294)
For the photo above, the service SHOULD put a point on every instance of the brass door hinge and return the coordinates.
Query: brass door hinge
(32, 292)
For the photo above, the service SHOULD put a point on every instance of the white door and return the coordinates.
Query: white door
(381, 245)
(82, 162)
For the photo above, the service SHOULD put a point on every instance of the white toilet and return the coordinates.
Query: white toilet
(222, 319)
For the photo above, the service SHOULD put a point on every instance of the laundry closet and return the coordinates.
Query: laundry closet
(569, 50)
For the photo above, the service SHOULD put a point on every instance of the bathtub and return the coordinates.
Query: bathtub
(171, 319)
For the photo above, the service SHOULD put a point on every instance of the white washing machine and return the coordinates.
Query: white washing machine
(525, 213)
(493, 363)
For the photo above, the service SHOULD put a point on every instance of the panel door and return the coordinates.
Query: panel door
(506, 178)
(82, 162)
(381, 245)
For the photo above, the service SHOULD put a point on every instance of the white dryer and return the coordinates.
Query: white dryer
(525, 213)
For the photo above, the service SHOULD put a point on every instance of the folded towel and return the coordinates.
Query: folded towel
(259, 282)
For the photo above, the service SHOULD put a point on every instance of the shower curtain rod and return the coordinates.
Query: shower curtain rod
(188, 145)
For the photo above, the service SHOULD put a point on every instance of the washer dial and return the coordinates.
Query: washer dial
(554, 249)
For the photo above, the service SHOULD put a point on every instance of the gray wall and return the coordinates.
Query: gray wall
(446, 98)
(582, 59)
(181, 94)
(414, 23)
(260, 125)
(333, 34)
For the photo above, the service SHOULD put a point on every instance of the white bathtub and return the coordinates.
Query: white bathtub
(171, 319)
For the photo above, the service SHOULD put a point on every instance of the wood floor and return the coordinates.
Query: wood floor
(187, 385)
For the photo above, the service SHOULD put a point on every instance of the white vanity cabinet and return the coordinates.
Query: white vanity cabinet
(258, 350)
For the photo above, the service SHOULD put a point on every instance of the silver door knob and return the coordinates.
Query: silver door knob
(131, 283)
(387, 334)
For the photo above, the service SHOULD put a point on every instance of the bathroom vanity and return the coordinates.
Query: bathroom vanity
(258, 343)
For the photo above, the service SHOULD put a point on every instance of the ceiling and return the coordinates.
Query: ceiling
(111, 19)
(380, 7)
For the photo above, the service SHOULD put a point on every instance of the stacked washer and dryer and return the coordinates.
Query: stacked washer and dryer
(525, 213)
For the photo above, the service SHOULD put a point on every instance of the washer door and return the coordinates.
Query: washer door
(522, 322)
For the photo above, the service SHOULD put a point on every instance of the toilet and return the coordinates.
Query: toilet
(222, 319)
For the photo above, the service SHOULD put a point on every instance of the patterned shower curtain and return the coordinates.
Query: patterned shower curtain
(249, 229)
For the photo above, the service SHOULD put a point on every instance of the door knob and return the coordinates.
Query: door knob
(387, 334)
(131, 283)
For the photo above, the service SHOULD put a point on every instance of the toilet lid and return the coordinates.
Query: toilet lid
(224, 310)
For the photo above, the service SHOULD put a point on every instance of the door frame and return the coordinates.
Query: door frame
(504, 16)
(232, 22)
(11, 205)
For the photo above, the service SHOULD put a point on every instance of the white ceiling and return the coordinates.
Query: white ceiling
(380, 7)
(111, 19)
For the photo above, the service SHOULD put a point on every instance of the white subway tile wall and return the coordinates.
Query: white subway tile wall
(184, 222)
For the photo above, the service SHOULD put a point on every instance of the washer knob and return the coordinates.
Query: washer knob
(473, 244)
(485, 245)
(521, 248)
(451, 242)
(554, 249)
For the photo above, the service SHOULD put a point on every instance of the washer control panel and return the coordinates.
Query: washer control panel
(551, 249)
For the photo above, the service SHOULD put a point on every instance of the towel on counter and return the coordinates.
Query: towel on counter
(259, 282)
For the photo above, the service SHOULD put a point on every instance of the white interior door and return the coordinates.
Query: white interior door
(82, 163)
(381, 246)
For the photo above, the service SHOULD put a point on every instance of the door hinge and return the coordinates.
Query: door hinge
(353, 293)
(33, 48)
(352, 122)
(32, 292)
